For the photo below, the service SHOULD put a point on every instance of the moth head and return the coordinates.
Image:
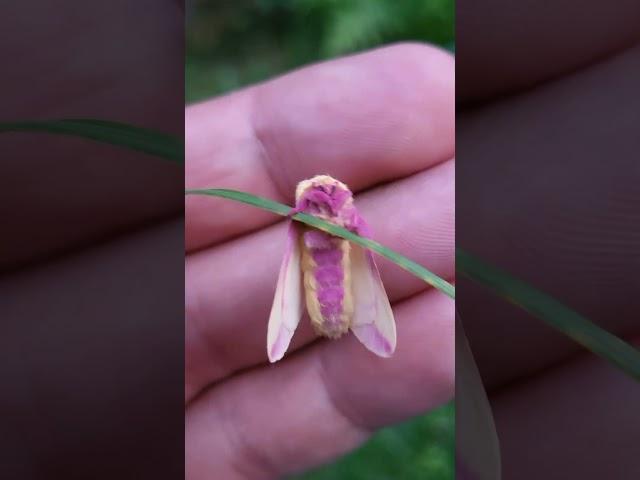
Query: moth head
(323, 195)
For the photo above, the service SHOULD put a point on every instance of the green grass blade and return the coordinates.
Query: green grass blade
(281, 209)
(546, 308)
(136, 138)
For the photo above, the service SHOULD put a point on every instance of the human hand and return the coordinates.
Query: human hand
(382, 117)
(90, 257)
(549, 144)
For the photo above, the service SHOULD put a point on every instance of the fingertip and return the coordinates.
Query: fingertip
(364, 119)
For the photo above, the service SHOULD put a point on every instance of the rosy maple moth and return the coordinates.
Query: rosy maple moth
(338, 281)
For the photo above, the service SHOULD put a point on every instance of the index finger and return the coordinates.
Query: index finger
(364, 119)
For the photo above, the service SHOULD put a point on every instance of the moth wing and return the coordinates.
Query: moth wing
(373, 323)
(288, 300)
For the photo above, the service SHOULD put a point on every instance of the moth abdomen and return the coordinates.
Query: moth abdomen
(325, 263)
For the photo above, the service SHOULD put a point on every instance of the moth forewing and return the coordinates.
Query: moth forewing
(373, 323)
(288, 300)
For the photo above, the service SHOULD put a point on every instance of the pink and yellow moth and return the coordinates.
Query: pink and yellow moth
(338, 281)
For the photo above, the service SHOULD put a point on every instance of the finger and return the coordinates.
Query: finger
(576, 35)
(588, 405)
(73, 192)
(90, 336)
(575, 237)
(323, 401)
(229, 289)
(363, 119)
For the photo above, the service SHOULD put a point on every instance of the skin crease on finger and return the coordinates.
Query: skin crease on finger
(424, 234)
(365, 119)
(316, 407)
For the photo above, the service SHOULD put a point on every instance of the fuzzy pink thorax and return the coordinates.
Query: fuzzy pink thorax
(327, 200)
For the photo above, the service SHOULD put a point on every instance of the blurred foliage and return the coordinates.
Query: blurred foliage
(422, 448)
(236, 43)
(230, 44)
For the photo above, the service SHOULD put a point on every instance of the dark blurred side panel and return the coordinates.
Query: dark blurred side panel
(547, 189)
(91, 252)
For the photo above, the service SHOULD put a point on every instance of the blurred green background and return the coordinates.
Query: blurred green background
(235, 43)
(230, 44)
(420, 449)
